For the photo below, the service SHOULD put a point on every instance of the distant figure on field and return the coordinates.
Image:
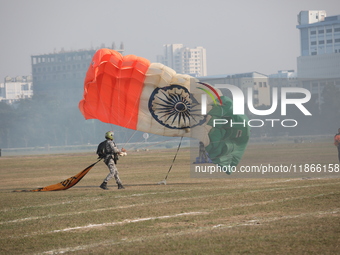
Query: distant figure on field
(109, 152)
(203, 158)
(337, 143)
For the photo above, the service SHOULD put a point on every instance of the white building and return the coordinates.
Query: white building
(185, 60)
(15, 88)
(60, 75)
(318, 65)
(320, 45)
(257, 81)
(283, 78)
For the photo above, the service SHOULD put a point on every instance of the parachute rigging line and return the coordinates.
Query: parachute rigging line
(129, 138)
(179, 145)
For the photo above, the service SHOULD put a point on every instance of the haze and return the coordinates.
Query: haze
(240, 36)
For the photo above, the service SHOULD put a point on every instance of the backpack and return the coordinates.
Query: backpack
(101, 150)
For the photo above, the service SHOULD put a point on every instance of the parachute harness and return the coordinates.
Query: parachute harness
(173, 161)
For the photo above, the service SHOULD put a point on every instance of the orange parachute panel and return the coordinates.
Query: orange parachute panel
(112, 88)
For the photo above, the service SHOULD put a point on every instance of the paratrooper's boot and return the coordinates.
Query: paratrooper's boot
(104, 186)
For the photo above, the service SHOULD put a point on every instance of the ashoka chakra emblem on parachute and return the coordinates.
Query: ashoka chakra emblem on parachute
(170, 106)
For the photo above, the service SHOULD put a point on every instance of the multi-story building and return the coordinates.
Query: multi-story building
(319, 62)
(257, 81)
(283, 78)
(185, 60)
(16, 88)
(61, 74)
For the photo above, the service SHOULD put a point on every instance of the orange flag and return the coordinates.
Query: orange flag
(66, 184)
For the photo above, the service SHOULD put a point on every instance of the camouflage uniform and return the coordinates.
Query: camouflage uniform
(202, 154)
(110, 161)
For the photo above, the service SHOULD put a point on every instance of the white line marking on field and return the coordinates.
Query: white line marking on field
(218, 227)
(50, 205)
(126, 221)
(90, 199)
(176, 215)
(167, 201)
(161, 192)
(276, 201)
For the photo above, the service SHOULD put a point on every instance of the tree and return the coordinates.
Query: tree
(330, 108)
(6, 124)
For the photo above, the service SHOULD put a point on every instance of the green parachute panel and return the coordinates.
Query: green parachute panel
(227, 142)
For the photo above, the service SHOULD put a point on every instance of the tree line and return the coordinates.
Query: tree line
(41, 121)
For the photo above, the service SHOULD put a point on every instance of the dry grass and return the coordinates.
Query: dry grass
(186, 216)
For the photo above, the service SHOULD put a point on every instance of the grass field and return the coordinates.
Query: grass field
(186, 216)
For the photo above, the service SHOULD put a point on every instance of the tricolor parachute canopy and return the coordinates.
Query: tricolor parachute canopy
(131, 92)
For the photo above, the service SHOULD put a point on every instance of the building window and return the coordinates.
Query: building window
(337, 40)
(329, 30)
(313, 53)
(313, 43)
(337, 29)
(330, 41)
(322, 42)
(321, 31)
(24, 86)
(313, 32)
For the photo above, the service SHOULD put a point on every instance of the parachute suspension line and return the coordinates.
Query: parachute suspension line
(173, 161)
(130, 138)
